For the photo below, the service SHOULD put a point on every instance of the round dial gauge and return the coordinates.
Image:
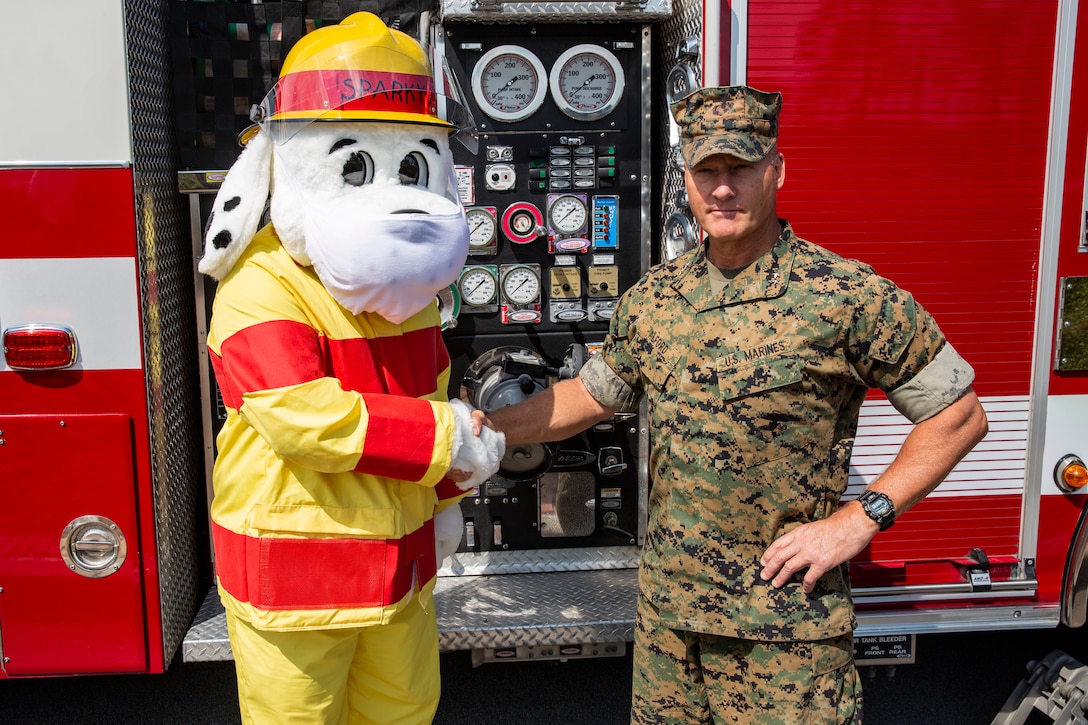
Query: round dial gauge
(477, 285)
(521, 285)
(508, 83)
(567, 214)
(587, 82)
(482, 228)
(522, 223)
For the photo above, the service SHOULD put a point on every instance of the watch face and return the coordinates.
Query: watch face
(880, 506)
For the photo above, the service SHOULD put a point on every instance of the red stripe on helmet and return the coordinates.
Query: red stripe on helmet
(345, 90)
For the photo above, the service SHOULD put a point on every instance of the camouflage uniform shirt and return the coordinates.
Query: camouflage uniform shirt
(754, 394)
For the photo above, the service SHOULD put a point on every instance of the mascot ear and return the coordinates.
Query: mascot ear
(238, 207)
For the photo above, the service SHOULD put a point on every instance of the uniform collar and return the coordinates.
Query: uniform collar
(765, 278)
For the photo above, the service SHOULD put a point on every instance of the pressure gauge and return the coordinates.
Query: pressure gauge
(522, 222)
(567, 214)
(477, 286)
(482, 227)
(587, 82)
(508, 83)
(521, 284)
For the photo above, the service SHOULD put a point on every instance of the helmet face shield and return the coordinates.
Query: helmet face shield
(453, 108)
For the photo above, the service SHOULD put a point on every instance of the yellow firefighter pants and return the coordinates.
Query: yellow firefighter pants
(378, 674)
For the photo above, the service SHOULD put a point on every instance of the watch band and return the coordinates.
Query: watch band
(879, 508)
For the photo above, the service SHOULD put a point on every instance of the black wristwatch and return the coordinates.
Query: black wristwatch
(879, 508)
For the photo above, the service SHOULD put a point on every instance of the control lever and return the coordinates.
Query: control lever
(610, 521)
(610, 461)
(574, 360)
(978, 573)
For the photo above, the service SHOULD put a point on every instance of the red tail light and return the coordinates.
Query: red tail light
(39, 347)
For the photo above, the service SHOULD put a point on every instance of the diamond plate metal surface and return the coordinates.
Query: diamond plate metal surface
(497, 10)
(530, 609)
(540, 560)
(168, 320)
(489, 611)
(207, 639)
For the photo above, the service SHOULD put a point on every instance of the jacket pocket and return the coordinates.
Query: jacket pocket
(322, 521)
(758, 377)
(308, 557)
(766, 412)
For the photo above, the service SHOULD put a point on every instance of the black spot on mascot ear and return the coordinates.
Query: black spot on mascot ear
(232, 204)
(222, 240)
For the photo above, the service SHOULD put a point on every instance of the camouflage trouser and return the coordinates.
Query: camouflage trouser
(686, 677)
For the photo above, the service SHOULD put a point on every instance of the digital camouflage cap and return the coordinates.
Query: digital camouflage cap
(734, 120)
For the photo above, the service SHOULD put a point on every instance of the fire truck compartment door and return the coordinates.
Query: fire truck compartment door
(55, 469)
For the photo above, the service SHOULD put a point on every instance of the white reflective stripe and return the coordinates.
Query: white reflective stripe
(96, 297)
(1066, 432)
(996, 466)
(66, 92)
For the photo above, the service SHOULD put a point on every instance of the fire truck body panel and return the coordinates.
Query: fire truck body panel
(984, 232)
(101, 461)
(69, 104)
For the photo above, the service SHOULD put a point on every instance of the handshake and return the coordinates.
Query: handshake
(477, 449)
(475, 457)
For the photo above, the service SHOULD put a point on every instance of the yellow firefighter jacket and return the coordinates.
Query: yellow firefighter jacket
(331, 462)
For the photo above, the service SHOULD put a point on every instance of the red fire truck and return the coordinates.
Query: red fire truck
(942, 141)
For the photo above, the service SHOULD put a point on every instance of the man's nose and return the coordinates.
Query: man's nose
(724, 187)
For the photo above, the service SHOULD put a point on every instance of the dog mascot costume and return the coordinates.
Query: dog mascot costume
(337, 463)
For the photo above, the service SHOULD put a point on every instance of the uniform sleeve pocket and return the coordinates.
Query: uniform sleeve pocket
(322, 520)
(659, 367)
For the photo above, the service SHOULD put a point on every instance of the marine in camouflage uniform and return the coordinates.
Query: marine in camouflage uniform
(754, 380)
(754, 391)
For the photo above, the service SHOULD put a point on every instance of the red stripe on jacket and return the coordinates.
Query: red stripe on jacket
(399, 439)
(279, 353)
(277, 574)
(391, 373)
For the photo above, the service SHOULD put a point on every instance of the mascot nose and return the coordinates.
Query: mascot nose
(411, 211)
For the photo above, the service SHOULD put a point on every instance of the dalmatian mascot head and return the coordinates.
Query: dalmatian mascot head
(356, 156)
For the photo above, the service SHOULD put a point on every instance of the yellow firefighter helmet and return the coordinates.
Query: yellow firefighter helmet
(359, 70)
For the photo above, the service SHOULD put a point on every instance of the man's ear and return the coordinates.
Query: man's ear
(780, 170)
(239, 205)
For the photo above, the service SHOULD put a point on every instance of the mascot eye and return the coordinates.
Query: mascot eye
(358, 169)
(413, 169)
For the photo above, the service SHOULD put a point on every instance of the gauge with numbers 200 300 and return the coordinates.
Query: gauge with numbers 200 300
(478, 286)
(521, 284)
(587, 82)
(509, 83)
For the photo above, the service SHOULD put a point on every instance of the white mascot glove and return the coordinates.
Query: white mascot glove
(448, 526)
(479, 456)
